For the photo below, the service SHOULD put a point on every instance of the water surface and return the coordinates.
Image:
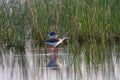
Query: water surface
(31, 65)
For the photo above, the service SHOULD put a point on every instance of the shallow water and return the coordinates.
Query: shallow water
(32, 66)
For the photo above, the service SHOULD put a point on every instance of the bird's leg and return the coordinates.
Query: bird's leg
(55, 53)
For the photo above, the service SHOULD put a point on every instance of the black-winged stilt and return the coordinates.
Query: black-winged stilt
(54, 43)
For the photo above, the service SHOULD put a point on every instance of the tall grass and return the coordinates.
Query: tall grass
(80, 20)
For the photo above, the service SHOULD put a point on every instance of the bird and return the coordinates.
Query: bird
(52, 35)
(54, 42)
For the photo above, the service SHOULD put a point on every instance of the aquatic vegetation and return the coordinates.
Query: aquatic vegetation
(81, 21)
(32, 65)
(91, 51)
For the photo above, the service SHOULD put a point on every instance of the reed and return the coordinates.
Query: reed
(86, 20)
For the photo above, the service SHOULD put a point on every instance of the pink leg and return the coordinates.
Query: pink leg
(55, 53)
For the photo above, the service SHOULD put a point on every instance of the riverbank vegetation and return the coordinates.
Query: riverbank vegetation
(92, 21)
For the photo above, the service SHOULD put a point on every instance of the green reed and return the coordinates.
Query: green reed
(80, 20)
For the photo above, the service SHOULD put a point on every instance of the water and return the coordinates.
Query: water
(31, 65)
